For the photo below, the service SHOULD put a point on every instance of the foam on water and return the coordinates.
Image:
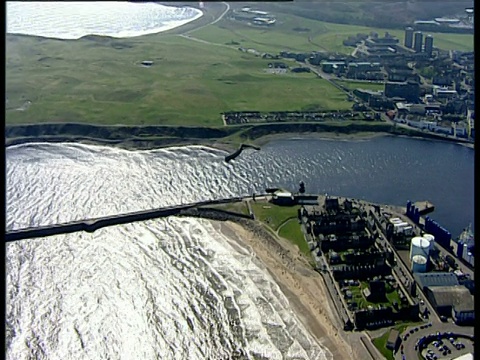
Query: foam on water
(171, 288)
(73, 20)
(177, 287)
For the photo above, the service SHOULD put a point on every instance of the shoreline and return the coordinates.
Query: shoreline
(225, 145)
(303, 287)
(228, 138)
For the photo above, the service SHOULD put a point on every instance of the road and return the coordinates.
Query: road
(227, 8)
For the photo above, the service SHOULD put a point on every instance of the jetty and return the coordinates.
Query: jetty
(239, 151)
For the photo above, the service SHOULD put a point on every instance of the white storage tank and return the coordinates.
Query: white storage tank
(431, 239)
(419, 246)
(419, 264)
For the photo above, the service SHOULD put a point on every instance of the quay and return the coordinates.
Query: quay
(424, 207)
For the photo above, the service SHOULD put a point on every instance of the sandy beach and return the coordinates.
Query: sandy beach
(303, 287)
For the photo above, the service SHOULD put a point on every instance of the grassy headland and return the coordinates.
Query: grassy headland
(197, 73)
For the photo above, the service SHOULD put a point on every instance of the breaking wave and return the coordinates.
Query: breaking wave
(73, 20)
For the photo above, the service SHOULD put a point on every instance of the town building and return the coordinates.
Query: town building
(429, 45)
(408, 37)
(336, 67)
(408, 90)
(418, 41)
(283, 198)
(375, 292)
(393, 339)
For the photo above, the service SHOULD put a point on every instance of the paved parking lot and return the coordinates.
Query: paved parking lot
(446, 349)
(410, 337)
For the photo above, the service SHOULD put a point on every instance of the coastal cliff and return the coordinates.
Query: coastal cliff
(147, 137)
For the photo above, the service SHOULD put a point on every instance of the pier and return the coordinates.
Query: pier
(90, 225)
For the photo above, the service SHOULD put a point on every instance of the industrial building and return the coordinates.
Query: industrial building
(448, 296)
(463, 313)
(435, 279)
(464, 246)
(452, 301)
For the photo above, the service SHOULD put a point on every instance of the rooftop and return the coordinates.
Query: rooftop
(392, 338)
(436, 279)
(457, 296)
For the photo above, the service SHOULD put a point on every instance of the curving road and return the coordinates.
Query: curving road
(214, 21)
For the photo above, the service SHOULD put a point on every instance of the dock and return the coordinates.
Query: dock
(424, 207)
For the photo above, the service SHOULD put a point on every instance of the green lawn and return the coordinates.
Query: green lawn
(381, 344)
(292, 231)
(283, 219)
(352, 85)
(239, 207)
(318, 35)
(189, 84)
(273, 215)
(363, 303)
(381, 341)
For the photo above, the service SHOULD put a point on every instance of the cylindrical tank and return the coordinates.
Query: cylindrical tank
(419, 246)
(431, 240)
(419, 264)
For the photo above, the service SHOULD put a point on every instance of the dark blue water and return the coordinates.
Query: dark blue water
(387, 170)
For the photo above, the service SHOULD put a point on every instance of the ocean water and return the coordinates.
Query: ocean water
(74, 19)
(177, 288)
(171, 288)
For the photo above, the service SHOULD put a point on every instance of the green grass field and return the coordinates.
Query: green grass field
(273, 215)
(381, 341)
(352, 85)
(282, 219)
(291, 230)
(190, 83)
(100, 80)
(314, 35)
